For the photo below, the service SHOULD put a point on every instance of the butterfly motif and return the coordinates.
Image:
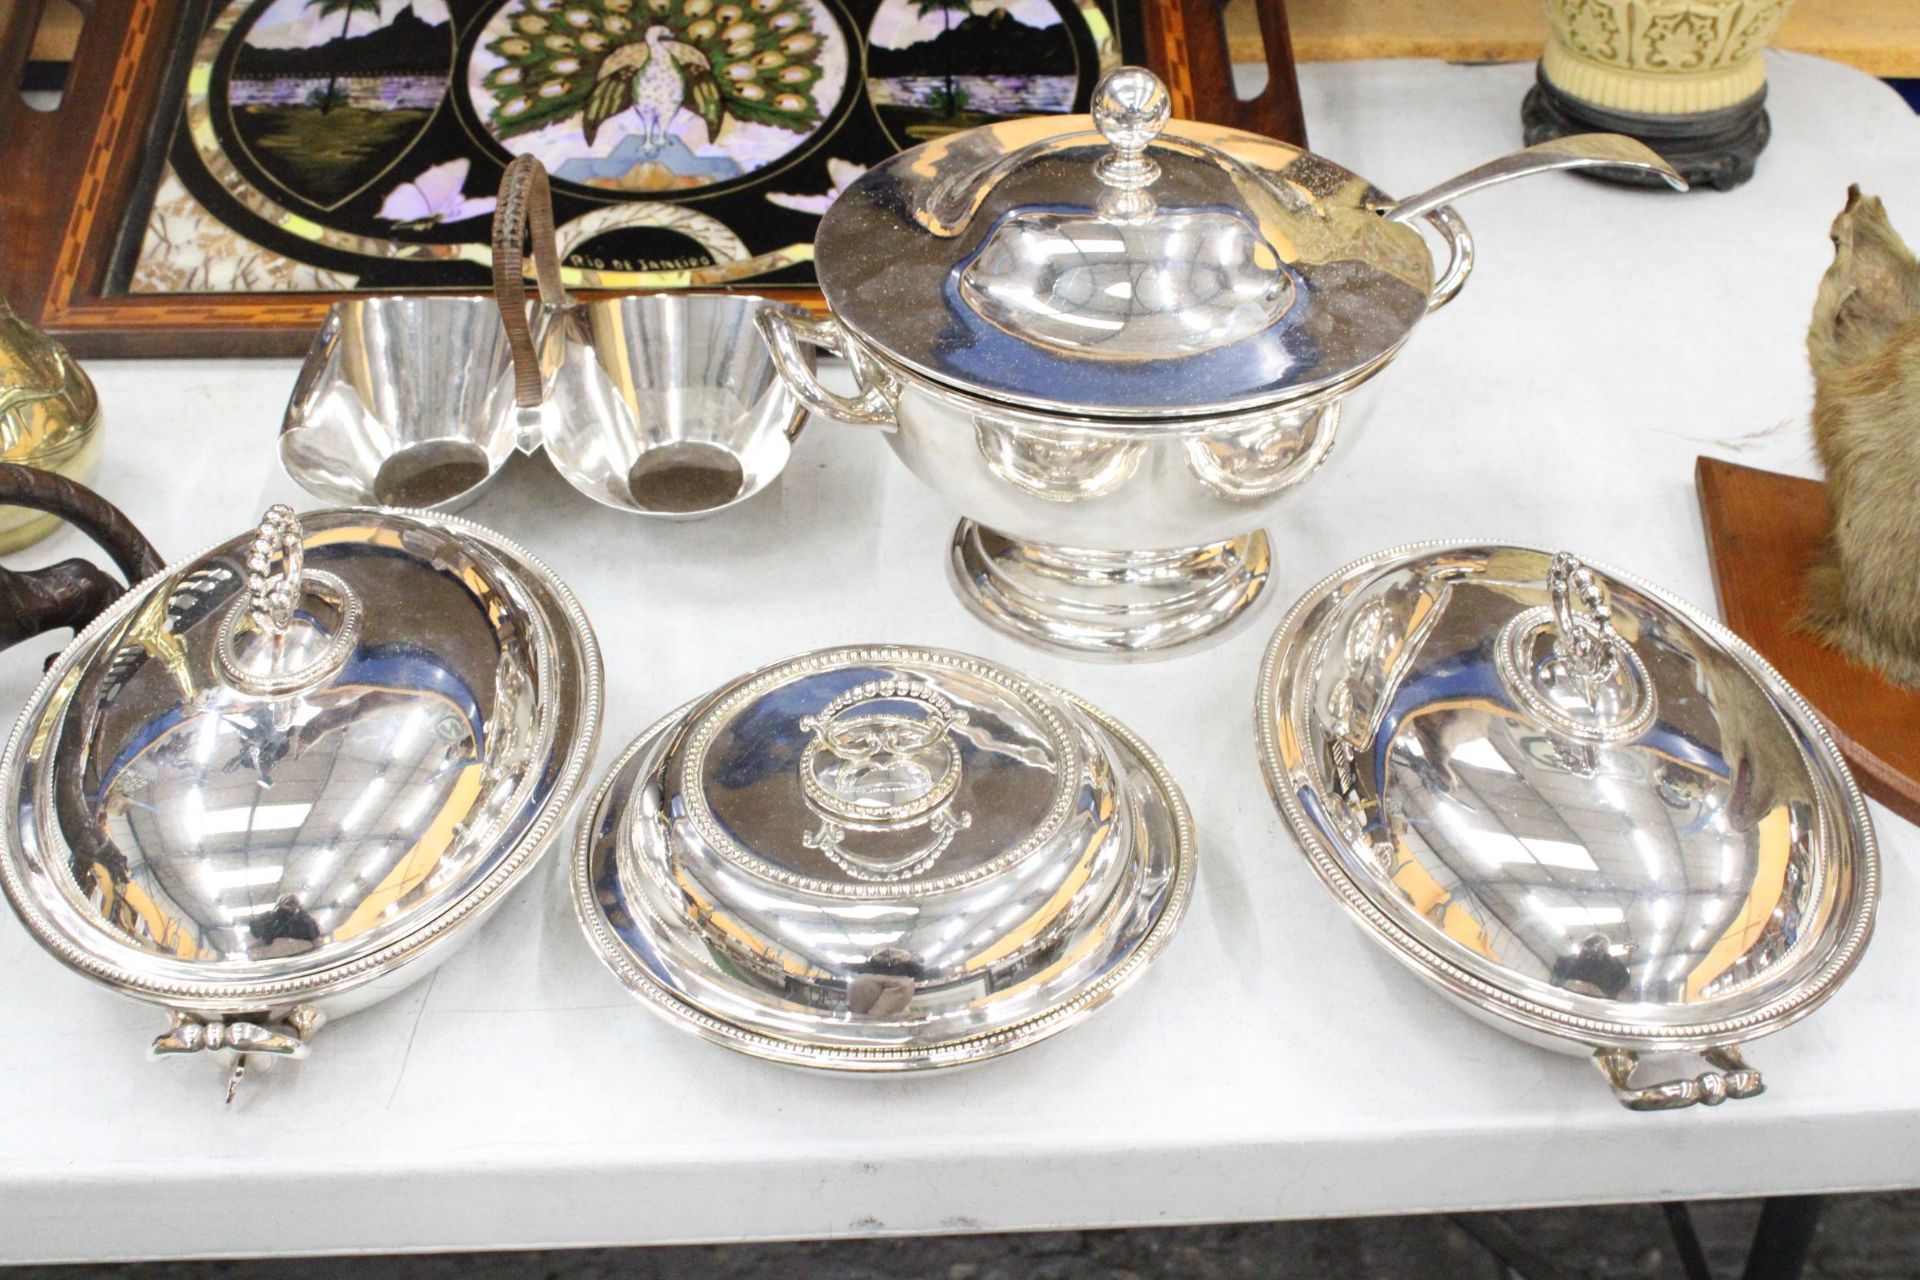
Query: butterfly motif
(844, 174)
(435, 197)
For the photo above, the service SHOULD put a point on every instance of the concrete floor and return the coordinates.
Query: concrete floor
(1871, 1237)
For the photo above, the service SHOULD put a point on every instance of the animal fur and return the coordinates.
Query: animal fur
(1864, 595)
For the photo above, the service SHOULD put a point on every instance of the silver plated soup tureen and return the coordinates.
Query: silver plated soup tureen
(882, 859)
(279, 781)
(1579, 807)
(1115, 342)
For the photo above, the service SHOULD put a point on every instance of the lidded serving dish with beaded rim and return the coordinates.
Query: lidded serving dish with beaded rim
(1578, 806)
(275, 783)
(882, 859)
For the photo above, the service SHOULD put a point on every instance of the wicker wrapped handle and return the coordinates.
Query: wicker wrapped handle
(523, 222)
(74, 592)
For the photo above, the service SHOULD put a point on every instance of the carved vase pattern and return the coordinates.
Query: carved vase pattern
(1660, 57)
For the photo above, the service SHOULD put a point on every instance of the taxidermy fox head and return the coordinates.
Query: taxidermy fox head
(1869, 293)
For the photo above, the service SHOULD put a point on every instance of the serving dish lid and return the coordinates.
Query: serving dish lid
(1572, 800)
(282, 767)
(1122, 263)
(882, 858)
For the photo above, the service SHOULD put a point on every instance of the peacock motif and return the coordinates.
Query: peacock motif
(755, 61)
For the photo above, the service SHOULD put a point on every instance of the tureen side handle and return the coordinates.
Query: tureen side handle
(789, 334)
(1729, 1077)
(1460, 255)
(73, 592)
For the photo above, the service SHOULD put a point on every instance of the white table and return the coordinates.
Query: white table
(1274, 1063)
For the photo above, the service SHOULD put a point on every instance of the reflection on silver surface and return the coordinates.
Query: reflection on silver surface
(1690, 877)
(264, 841)
(669, 406)
(216, 828)
(1181, 283)
(1109, 605)
(1132, 279)
(1254, 275)
(404, 401)
(1124, 335)
(665, 405)
(1063, 861)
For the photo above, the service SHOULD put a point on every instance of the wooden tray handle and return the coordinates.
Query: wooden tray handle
(1200, 26)
(45, 154)
(73, 592)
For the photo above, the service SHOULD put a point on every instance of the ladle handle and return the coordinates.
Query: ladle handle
(522, 221)
(1576, 151)
(71, 593)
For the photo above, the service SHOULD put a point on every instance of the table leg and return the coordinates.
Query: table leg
(1784, 1237)
(1686, 1241)
(1520, 1258)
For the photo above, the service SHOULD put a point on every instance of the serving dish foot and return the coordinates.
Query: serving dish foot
(1118, 605)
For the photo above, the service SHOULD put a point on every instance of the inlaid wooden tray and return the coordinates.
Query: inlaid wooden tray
(219, 170)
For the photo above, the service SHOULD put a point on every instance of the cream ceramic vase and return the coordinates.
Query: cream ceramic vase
(1684, 76)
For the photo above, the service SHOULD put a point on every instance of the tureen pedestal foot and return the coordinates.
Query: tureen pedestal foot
(1119, 605)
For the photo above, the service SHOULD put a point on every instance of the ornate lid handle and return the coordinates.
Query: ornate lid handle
(271, 596)
(1587, 639)
(1130, 108)
(1569, 667)
(267, 644)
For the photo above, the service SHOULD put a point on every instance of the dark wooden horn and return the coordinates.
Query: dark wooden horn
(74, 592)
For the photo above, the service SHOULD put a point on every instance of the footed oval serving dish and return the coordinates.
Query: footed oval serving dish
(274, 784)
(882, 859)
(1579, 807)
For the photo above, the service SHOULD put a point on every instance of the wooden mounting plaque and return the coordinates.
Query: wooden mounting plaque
(74, 175)
(1764, 531)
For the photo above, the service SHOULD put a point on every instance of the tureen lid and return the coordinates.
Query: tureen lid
(882, 858)
(279, 768)
(1122, 263)
(1571, 799)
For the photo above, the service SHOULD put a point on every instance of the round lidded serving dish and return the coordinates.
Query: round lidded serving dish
(1579, 807)
(1115, 341)
(278, 781)
(882, 859)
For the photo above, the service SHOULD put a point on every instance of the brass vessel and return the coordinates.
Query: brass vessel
(49, 418)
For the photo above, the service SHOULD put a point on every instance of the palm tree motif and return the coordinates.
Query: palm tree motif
(950, 105)
(346, 9)
(756, 61)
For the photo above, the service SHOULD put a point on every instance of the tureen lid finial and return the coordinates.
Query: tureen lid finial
(1130, 108)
